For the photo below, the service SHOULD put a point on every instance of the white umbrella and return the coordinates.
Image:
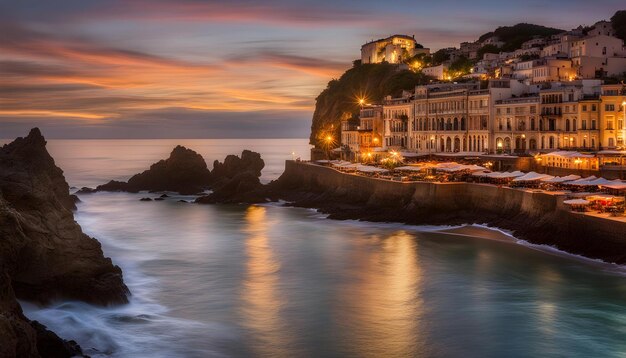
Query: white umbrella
(410, 168)
(532, 176)
(576, 202)
(582, 181)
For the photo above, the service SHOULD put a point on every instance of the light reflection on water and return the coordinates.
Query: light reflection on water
(261, 302)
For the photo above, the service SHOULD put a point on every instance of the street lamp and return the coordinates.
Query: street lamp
(329, 141)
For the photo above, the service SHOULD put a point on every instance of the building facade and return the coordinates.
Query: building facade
(612, 116)
(393, 49)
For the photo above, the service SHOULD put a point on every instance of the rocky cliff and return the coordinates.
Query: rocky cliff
(44, 255)
(185, 172)
(236, 180)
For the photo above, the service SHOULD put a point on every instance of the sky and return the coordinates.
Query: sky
(216, 69)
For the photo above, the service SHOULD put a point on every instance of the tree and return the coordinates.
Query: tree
(618, 21)
(371, 82)
(440, 57)
(514, 36)
(487, 49)
(460, 67)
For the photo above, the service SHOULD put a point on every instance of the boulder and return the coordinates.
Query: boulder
(185, 172)
(234, 165)
(44, 255)
(236, 180)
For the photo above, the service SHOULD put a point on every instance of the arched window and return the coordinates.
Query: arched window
(463, 124)
(456, 124)
(567, 128)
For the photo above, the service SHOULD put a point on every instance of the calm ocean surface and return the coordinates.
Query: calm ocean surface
(268, 281)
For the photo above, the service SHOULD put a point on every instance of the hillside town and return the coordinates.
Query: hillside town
(548, 100)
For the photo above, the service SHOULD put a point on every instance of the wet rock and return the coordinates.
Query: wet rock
(145, 199)
(236, 180)
(164, 196)
(185, 172)
(86, 190)
(53, 345)
(44, 255)
(159, 199)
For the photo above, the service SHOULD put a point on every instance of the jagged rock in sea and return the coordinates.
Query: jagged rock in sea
(185, 172)
(236, 180)
(44, 255)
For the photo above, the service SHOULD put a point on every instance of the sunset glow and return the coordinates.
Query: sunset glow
(160, 61)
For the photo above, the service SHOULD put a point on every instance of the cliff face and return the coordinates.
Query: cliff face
(340, 98)
(185, 171)
(44, 255)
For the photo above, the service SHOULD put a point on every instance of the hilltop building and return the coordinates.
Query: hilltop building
(393, 49)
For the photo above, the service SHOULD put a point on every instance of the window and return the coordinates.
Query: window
(609, 125)
(584, 108)
(593, 108)
(609, 107)
(584, 124)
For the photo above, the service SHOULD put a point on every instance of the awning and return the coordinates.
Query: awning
(532, 176)
(582, 180)
(505, 175)
(597, 181)
(568, 154)
(576, 202)
(616, 185)
(561, 179)
(412, 168)
(370, 169)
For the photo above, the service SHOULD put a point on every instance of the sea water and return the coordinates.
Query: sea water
(272, 281)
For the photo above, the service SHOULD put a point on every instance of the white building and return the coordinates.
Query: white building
(393, 49)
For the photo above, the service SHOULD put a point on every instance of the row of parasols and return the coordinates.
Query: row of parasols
(482, 172)
(340, 164)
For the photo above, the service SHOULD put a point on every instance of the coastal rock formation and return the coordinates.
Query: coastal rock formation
(236, 180)
(44, 255)
(185, 172)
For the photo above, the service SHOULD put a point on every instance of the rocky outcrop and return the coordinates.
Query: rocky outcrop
(185, 172)
(44, 255)
(236, 180)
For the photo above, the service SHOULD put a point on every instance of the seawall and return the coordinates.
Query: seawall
(537, 217)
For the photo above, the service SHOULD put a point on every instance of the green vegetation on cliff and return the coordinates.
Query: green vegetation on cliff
(340, 99)
(514, 36)
(618, 21)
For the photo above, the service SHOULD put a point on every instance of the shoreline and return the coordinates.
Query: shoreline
(476, 231)
(537, 218)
